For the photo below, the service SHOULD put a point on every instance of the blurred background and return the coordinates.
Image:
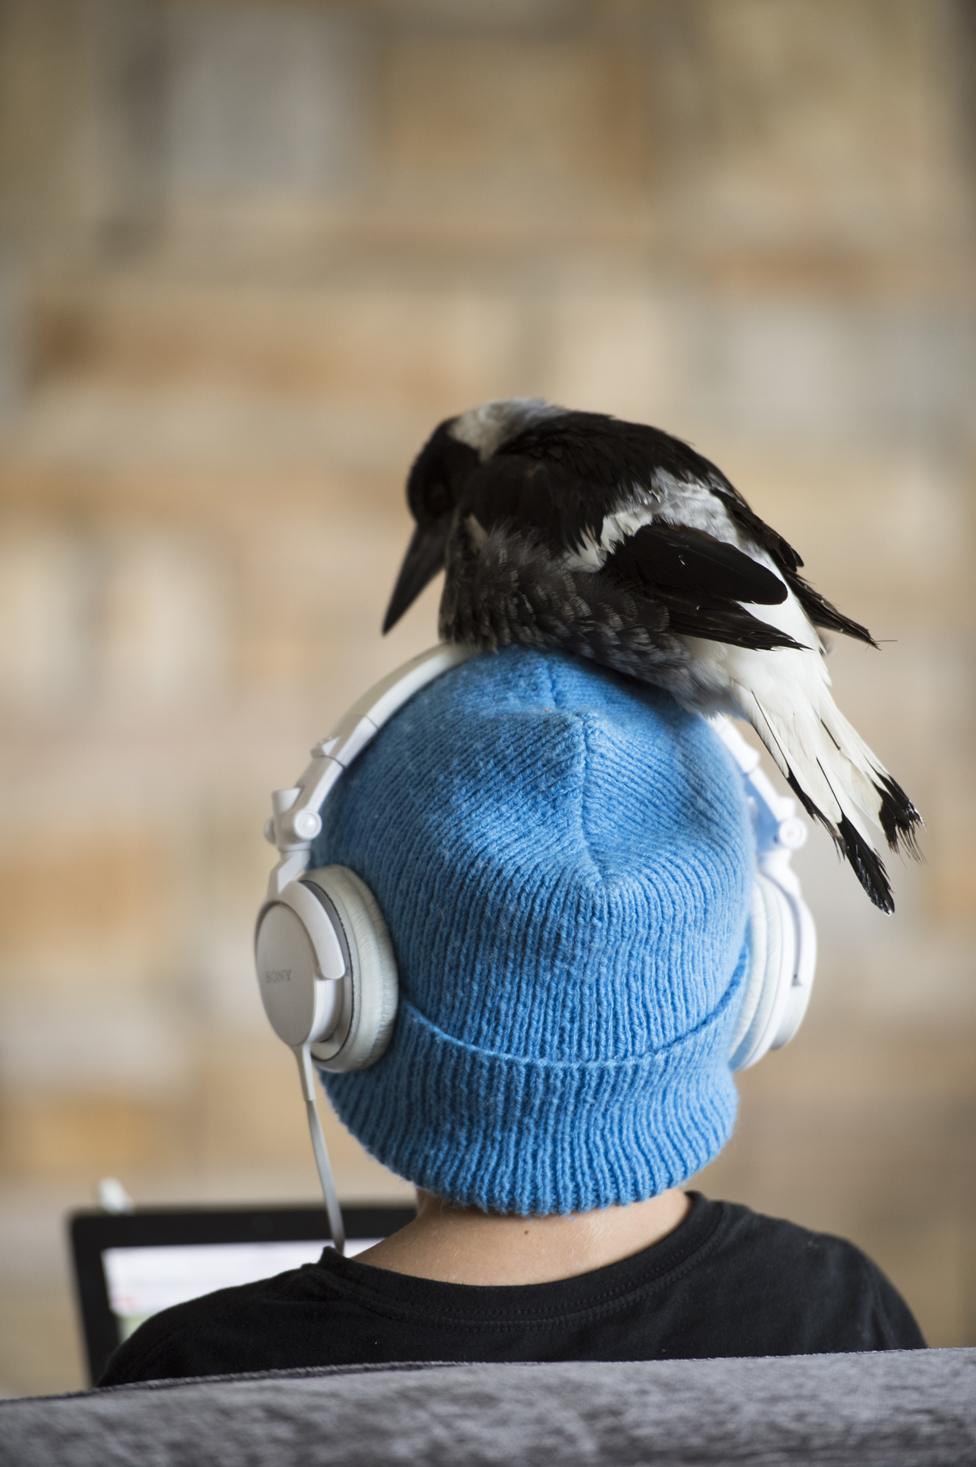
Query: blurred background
(251, 253)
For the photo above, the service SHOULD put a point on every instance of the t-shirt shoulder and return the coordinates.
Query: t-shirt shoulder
(169, 1345)
(845, 1298)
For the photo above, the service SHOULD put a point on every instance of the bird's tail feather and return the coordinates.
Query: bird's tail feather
(838, 781)
(895, 813)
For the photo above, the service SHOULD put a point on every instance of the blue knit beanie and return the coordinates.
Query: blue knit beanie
(564, 859)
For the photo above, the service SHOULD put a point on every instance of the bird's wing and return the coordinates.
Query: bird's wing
(701, 581)
(683, 558)
(624, 534)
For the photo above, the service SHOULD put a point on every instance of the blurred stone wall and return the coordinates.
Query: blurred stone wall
(251, 252)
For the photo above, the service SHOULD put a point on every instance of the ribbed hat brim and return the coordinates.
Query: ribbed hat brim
(535, 1137)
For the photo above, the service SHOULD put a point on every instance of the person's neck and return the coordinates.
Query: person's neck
(462, 1245)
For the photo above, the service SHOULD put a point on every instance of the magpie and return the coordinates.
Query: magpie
(620, 543)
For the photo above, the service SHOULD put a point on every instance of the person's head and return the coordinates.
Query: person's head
(564, 860)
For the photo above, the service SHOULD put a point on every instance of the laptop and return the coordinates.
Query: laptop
(130, 1265)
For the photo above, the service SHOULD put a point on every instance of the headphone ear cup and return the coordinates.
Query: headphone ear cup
(370, 986)
(772, 942)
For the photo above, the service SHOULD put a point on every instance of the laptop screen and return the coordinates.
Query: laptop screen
(129, 1266)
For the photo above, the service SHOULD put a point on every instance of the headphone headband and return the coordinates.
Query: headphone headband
(778, 827)
(296, 819)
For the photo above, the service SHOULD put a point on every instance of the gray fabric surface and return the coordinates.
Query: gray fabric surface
(911, 1407)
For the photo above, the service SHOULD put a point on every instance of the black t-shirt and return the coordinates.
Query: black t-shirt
(727, 1281)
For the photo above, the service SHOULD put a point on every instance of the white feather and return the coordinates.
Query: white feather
(694, 503)
(486, 427)
(593, 551)
(786, 697)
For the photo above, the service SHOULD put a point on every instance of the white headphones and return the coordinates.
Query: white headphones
(325, 964)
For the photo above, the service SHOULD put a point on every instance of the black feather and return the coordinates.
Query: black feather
(899, 818)
(537, 496)
(608, 453)
(867, 865)
(723, 621)
(823, 613)
(746, 518)
(689, 561)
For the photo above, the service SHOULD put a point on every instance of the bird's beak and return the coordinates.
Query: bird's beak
(424, 558)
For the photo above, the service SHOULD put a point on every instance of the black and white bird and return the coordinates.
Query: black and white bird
(623, 544)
